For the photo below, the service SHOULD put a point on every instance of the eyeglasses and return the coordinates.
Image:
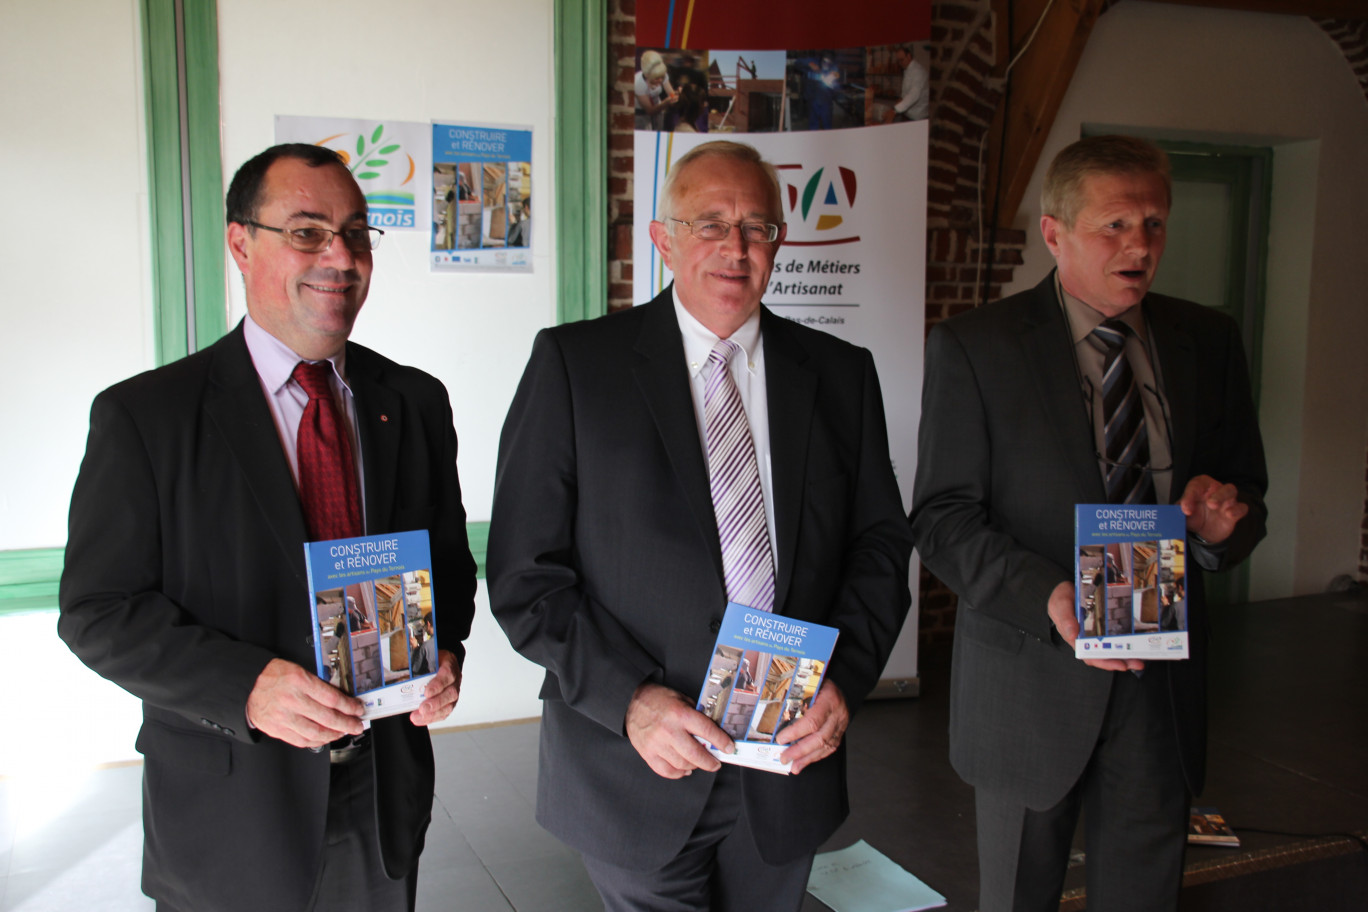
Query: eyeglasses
(317, 240)
(717, 230)
(1163, 413)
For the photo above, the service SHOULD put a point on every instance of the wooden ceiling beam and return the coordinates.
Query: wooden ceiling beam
(1035, 89)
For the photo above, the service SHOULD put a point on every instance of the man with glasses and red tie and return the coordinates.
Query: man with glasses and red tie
(656, 464)
(185, 580)
(1086, 389)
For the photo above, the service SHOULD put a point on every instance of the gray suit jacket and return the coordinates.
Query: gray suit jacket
(1005, 452)
(605, 567)
(185, 575)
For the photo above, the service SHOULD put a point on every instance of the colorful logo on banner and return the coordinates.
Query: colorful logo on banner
(384, 170)
(819, 204)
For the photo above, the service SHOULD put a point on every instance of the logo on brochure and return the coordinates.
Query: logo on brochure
(383, 169)
(820, 205)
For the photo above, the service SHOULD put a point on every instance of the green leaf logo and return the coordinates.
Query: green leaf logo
(374, 157)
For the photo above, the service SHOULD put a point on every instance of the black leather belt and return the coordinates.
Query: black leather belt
(348, 748)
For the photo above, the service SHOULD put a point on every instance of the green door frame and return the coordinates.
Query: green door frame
(185, 174)
(1246, 172)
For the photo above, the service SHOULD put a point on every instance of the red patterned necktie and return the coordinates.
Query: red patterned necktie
(327, 472)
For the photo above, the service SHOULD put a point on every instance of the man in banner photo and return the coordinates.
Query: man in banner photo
(656, 464)
(185, 579)
(1086, 389)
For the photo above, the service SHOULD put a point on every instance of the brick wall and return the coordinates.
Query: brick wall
(621, 104)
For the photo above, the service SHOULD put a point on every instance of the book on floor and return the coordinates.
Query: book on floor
(1206, 826)
(1130, 581)
(764, 674)
(374, 631)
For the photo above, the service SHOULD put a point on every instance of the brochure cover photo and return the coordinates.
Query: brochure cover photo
(1131, 581)
(374, 631)
(765, 671)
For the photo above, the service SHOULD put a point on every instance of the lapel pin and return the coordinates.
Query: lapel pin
(384, 417)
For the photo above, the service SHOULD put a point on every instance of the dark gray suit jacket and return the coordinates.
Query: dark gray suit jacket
(1005, 452)
(185, 575)
(605, 566)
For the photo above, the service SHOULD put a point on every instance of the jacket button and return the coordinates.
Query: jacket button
(715, 625)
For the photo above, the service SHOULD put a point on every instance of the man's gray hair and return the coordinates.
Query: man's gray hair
(725, 149)
(1061, 196)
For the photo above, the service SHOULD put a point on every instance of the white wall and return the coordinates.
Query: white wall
(75, 300)
(1260, 79)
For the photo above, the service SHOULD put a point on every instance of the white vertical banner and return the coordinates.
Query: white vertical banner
(853, 263)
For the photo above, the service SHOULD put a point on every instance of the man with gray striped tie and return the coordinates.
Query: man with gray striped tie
(1086, 389)
(656, 464)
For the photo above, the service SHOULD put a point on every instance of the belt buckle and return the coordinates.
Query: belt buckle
(348, 747)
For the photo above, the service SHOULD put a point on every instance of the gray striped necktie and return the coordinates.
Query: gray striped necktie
(1126, 439)
(734, 476)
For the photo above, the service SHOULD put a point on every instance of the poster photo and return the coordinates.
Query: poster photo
(481, 198)
(389, 159)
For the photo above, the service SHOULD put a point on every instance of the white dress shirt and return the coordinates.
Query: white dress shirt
(750, 380)
(275, 363)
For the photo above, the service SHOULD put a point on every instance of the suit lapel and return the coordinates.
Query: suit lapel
(1176, 352)
(791, 391)
(379, 419)
(1054, 368)
(237, 408)
(663, 379)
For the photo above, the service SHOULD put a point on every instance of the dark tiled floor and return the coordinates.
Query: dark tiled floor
(1289, 752)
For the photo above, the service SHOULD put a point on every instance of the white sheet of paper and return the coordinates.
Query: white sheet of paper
(862, 879)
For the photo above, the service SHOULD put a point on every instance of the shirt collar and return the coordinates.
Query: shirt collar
(699, 340)
(1083, 319)
(275, 361)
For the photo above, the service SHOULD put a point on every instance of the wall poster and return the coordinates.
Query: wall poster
(389, 159)
(481, 198)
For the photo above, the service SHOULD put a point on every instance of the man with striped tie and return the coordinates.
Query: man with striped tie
(656, 464)
(1086, 389)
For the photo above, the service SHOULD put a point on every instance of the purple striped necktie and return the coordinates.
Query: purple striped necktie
(734, 476)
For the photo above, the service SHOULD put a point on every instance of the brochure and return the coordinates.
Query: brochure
(765, 671)
(374, 629)
(1206, 826)
(1130, 581)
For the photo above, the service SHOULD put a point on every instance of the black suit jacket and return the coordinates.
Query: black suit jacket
(185, 575)
(605, 567)
(1005, 452)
